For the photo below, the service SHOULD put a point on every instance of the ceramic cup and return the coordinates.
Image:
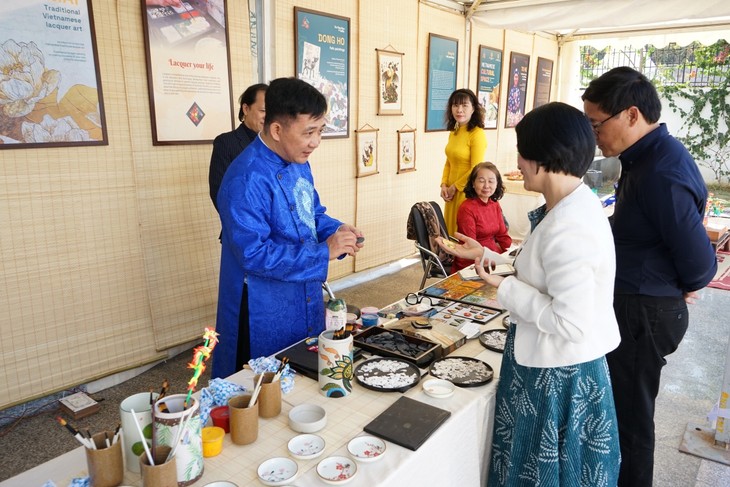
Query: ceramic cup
(105, 464)
(244, 420)
(162, 473)
(133, 448)
(269, 397)
(188, 443)
(334, 363)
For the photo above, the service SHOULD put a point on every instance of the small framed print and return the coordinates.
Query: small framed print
(406, 150)
(367, 151)
(390, 91)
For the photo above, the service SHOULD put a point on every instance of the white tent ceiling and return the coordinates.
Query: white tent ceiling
(588, 17)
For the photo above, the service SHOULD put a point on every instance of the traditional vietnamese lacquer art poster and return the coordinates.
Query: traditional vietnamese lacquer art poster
(187, 70)
(50, 90)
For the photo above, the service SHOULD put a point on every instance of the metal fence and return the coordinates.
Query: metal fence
(692, 65)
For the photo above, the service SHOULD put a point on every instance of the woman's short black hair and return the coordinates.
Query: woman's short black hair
(248, 97)
(288, 98)
(558, 137)
(460, 96)
(622, 88)
(469, 188)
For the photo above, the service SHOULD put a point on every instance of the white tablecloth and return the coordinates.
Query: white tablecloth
(456, 454)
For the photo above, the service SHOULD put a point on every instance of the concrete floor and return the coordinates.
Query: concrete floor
(691, 384)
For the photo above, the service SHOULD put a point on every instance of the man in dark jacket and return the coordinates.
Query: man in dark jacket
(663, 254)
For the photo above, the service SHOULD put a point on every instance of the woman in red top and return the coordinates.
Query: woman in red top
(480, 215)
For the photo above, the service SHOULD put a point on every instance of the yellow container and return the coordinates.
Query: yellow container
(212, 440)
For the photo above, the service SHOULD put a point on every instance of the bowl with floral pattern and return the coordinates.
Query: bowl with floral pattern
(336, 470)
(277, 471)
(306, 447)
(366, 448)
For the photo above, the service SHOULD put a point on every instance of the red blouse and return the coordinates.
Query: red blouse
(483, 222)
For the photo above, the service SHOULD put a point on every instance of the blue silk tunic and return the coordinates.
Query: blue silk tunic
(274, 239)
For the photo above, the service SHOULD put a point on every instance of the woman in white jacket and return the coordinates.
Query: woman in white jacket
(555, 421)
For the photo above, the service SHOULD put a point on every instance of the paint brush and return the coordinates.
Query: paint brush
(79, 437)
(142, 438)
(116, 433)
(280, 370)
(256, 390)
(163, 391)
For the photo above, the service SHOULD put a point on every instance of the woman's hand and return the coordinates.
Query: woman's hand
(490, 279)
(445, 193)
(470, 249)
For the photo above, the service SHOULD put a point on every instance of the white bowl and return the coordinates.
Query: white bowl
(336, 470)
(438, 388)
(366, 448)
(221, 483)
(277, 471)
(307, 418)
(306, 447)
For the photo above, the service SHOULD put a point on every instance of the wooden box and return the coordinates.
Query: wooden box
(431, 351)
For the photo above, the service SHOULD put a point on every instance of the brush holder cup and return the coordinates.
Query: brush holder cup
(187, 445)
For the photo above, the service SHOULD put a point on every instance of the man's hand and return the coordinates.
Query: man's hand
(347, 240)
(691, 297)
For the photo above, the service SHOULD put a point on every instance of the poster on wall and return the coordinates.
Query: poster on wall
(50, 88)
(442, 61)
(323, 60)
(406, 150)
(543, 81)
(490, 74)
(516, 97)
(187, 70)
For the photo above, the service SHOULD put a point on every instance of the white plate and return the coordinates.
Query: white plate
(336, 470)
(306, 447)
(366, 448)
(277, 471)
(438, 388)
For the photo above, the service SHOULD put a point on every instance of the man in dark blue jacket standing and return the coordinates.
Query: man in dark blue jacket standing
(663, 254)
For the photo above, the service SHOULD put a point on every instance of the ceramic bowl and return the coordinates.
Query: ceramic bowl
(306, 446)
(336, 470)
(366, 448)
(307, 418)
(221, 483)
(277, 471)
(438, 388)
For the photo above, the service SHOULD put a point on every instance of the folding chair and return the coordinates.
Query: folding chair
(435, 262)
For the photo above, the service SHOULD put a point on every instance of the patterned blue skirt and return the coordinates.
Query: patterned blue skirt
(554, 426)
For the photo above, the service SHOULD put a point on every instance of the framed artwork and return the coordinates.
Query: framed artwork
(406, 150)
(390, 86)
(323, 60)
(543, 81)
(516, 97)
(367, 151)
(51, 86)
(443, 55)
(488, 84)
(188, 71)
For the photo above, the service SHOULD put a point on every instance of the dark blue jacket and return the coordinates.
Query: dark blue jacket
(662, 248)
(226, 147)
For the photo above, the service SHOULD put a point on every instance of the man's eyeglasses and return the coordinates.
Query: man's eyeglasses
(597, 126)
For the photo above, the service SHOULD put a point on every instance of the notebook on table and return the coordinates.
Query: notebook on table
(407, 422)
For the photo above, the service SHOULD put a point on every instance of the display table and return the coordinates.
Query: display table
(516, 203)
(456, 454)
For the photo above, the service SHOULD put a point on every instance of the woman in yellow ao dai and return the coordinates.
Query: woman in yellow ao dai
(465, 149)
